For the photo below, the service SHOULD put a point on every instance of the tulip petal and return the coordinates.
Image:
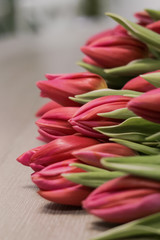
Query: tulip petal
(70, 196)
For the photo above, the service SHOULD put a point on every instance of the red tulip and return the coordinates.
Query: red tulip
(118, 30)
(55, 151)
(24, 158)
(139, 84)
(86, 118)
(93, 154)
(60, 87)
(147, 105)
(124, 199)
(47, 107)
(155, 26)
(54, 123)
(114, 51)
(143, 17)
(54, 187)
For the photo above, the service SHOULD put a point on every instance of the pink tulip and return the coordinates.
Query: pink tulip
(138, 84)
(47, 107)
(54, 187)
(93, 154)
(118, 30)
(147, 105)
(124, 199)
(143, 18)
(155, 26)
(114, 51)
(55, 151)
(24, 158)
(86, 117)
(60, 87)
(54, 123)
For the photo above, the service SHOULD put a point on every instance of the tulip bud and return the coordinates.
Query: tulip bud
(109, 52)
(54, 187)
(54, 123)
(124, 199)
(60, 87)
(155, 26)
(118, 30)
(47, 107)
(55, 151)
(138, 84)
(147, 105)
(143, 18)
(93, 154)
(25, 157)
(86, 118)
(143, 34)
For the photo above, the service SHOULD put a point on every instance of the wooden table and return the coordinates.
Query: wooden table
(23, 61)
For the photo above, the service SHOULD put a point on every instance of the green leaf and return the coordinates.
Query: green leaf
(137, 147)
(143, 34)
(154, 137)
(122, 113)
(145, 227)
(152, 144)
(153, 160)
(154, 14)
(92, 179)
(142, 166)
(153, 78)
(89, 96)
(135, 128)
(87, 168)
(135, 68)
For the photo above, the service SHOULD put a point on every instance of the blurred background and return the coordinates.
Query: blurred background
(45, 36)
(48, 26)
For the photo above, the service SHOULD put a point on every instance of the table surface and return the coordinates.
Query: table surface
(23, 61)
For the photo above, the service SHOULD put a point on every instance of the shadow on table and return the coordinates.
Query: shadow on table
(31, 186)
(54, 208)
(102, 226)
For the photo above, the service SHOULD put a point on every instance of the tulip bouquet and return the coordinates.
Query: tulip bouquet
(101, 130)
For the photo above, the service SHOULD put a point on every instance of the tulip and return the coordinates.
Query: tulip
(26, 156)
(143, 18)
(54, 187)
(145, 35)
(139, 84)
(111, 52)
(124, 199)
(47, 107)
(60, 87)
(109, 32)
(86, 118)
(55, 151)
(155, 26)
(54, 123)
(147, 105)
(93, 154)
